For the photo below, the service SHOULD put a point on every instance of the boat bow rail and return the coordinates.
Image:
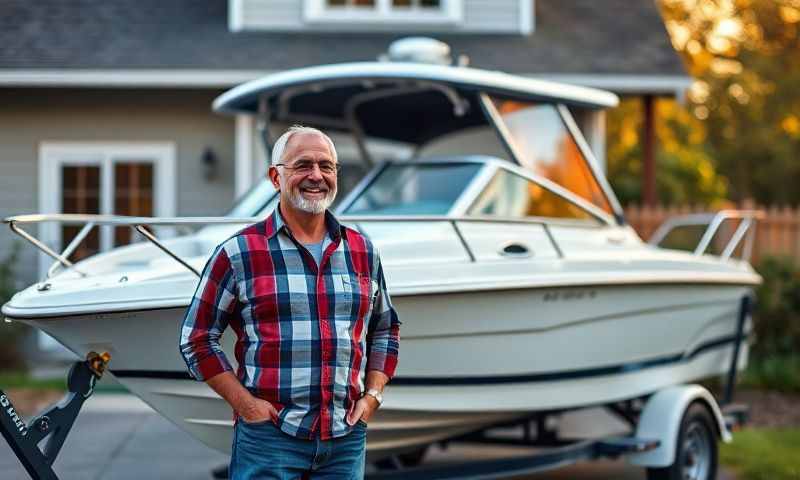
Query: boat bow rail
(714, 222)
(140, 224)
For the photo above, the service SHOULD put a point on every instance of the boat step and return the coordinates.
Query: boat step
(735, 415)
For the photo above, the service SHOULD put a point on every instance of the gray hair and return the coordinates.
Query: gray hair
(280, 145)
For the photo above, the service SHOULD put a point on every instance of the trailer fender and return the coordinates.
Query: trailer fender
(661, 420)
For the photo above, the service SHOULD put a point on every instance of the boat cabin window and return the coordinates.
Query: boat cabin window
(548, 148)
(414, 189)
(512, 196)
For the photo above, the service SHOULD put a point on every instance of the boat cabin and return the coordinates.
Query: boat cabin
(461, 141)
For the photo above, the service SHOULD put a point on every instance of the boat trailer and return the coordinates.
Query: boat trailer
(55, 422)
(553, 457)
(547, 451)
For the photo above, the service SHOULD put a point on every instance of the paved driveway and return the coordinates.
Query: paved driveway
(118, 437)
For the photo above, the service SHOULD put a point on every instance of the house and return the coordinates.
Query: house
(106, 104)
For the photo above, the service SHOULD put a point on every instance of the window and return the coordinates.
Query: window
(104, 178)
(384, 11)
(511, 196)
(548, 149)
(133, 194)
(415, 189)
(80, 193)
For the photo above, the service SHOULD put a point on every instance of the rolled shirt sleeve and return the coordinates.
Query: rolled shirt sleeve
(212, 306)
(383, 332)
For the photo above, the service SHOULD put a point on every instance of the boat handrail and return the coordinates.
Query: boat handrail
(745, 230)
(139, 224)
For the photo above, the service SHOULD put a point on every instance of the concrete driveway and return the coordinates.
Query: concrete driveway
(119, 437)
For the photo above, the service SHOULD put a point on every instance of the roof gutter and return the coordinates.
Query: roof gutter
(127, 78)
(669, 85)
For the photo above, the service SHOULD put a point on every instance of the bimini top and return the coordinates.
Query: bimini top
(245, 97)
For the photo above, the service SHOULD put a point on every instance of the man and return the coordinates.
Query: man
(317, 336)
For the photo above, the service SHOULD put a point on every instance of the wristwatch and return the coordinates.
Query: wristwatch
(376, 394)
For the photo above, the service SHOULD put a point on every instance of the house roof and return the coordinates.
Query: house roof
(578, 38)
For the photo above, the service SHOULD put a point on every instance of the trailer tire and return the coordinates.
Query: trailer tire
(696, 449)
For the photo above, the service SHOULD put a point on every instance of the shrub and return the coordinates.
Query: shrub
(775, 357)
(10, 333)
(777, 315)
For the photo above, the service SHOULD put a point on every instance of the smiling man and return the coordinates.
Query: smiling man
(317, 336)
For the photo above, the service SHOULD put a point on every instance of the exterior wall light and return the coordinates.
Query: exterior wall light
(210, 164)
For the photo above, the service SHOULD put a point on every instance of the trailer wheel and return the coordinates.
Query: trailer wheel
(696, 450)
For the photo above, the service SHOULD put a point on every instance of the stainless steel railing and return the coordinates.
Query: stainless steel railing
(139, 224)
(714, 221)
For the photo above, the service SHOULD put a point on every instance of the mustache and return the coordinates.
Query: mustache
(319, 185)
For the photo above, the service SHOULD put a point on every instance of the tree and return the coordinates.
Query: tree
(745, 56)
(686, 171)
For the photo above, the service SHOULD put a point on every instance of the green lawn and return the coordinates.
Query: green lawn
(23, 380)
(10, 380)
(764, 454)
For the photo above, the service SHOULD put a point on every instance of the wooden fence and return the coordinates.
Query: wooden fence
(777, 234)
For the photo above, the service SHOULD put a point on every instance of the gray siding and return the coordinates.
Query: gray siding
(272, 14)
(501, 16)
(29, 117)
(480, 16)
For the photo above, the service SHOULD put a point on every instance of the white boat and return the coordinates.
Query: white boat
(520, 287)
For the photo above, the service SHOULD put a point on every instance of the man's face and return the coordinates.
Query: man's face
(306, 181)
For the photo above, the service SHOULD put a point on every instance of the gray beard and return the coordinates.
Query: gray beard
(311, 206)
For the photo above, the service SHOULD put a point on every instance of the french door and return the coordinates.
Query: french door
(103, 178)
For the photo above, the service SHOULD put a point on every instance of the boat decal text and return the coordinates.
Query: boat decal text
(5, 403)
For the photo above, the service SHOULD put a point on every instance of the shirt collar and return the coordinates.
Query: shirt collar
(275, 222)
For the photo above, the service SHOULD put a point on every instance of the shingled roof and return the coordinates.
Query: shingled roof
(576, 37)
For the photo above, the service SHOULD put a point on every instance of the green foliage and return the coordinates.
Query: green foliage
(773, 372)
(8, 274)
(745, 57)
(764, 454)
(685, 171)
(774, 362)
(777, 318)
(10, 333)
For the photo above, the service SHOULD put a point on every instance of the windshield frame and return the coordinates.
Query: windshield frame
(494, 118)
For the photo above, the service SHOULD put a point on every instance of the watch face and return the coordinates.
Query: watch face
(376, 395)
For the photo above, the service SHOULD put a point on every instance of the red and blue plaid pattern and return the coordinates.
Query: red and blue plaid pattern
(306, 335)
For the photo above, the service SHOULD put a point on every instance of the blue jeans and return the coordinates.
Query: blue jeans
(262, 451)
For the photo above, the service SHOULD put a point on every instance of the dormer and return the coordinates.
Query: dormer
(432, 16)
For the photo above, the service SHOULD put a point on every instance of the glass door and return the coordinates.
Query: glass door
(104, 178)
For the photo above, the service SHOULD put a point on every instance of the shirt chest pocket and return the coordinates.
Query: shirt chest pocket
(354, 294)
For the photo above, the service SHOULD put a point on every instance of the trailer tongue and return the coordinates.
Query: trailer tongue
(54, 423)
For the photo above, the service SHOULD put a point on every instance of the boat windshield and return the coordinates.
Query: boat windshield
(414, 189)
(259, 197)
(548, 148)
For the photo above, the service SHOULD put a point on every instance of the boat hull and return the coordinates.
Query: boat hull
(468, 360)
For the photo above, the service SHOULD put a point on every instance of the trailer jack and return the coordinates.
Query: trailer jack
(52, 425)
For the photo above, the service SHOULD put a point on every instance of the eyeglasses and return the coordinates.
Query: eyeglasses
(305, 167)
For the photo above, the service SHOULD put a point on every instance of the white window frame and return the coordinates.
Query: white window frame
(317, 11)
(54, 155)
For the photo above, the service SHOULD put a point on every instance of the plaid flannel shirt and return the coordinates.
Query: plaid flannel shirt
(306, 335)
